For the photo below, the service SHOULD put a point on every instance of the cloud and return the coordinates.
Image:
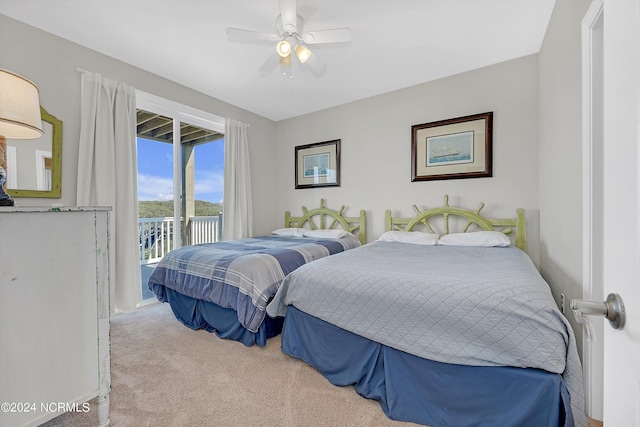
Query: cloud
(208, 182)
(209, 185)
(154, 187)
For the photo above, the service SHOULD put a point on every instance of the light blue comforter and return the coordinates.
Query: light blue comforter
(461, 305)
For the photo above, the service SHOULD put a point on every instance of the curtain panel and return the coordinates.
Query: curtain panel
(107, 176)
(237, 210)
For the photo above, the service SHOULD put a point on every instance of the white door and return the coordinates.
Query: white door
(622, 208)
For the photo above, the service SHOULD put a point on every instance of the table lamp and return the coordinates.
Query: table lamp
(19, 119)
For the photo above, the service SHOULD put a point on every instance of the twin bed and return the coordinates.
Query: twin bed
(224, 287)
(442, 328)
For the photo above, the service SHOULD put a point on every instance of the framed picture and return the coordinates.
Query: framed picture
(318, 165)
(453, 148)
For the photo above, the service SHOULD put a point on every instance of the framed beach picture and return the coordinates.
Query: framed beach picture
(453, 148)
(318, 164)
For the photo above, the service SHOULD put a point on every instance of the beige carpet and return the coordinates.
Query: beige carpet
(165, 374)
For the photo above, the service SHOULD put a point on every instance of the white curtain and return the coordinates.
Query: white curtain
(107, 176)
(237, 212)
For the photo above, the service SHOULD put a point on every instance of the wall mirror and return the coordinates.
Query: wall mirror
(34, 166)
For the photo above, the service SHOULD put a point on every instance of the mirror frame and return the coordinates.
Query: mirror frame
(56, 166)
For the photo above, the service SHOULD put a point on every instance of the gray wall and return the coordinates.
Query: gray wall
(560, 174)
(376, 147)
(51, 62)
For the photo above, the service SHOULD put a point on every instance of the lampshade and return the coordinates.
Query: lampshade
(303, 53)
(283, 48)
(19, 107)
(285, 67)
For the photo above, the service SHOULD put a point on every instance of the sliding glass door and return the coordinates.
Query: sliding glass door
(180, 178)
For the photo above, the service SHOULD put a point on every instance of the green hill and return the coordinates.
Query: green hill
(159, 209)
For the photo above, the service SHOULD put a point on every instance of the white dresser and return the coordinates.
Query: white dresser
(54, 313)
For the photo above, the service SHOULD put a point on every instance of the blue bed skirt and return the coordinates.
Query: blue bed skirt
(422, 391)
(198, 314)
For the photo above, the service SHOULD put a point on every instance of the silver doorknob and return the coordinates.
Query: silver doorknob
(612, 309)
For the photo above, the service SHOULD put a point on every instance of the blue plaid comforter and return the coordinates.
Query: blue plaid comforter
(240, 274)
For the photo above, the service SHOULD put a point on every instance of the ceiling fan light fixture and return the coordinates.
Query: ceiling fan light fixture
(283, 48)
(286, 73)
(286, 61)
(285, 67)
(303, 53)
(290, 38)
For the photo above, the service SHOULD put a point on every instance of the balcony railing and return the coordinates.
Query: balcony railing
(157, 235)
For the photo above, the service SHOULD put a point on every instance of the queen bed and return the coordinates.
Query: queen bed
(224, 287)
(441, 328)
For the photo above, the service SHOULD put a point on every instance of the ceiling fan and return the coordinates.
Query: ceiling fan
(292, 40)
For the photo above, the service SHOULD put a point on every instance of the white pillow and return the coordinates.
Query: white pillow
(476, 238)
(413, 237)
(290, 232)
(326, 234)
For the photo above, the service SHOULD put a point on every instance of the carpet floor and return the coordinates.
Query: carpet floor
(165, 374)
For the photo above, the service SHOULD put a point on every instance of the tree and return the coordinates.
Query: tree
(161, 209)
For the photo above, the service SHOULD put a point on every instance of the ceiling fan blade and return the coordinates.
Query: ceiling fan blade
(316, 65)
(289, 15)
(270, 64)
(241, 34)
(336, 35)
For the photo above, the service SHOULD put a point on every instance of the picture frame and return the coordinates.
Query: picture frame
(452, 148)
(317, 165)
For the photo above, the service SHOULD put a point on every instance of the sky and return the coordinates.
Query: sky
(155, 171)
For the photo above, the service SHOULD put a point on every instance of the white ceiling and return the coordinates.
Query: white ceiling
(396, 43)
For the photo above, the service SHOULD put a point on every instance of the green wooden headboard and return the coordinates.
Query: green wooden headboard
(322, 214)
(506, 225)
